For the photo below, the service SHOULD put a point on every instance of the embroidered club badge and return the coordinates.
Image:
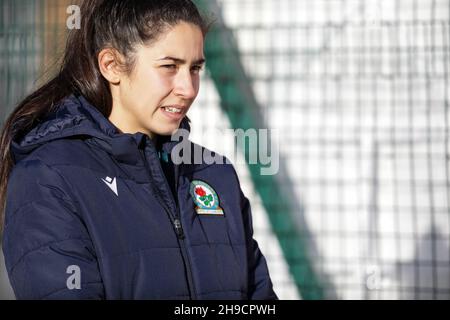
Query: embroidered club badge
(205, 199)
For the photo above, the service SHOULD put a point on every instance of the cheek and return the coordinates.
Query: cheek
(147, 90)
(196, 82)
(150, 80)
(159, 82)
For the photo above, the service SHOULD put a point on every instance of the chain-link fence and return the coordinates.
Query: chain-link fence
(360, 94)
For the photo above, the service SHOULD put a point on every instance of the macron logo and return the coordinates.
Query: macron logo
(111, 183)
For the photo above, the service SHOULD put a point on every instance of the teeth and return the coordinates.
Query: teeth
(172, 109)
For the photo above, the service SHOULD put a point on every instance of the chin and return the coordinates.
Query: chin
(167, 131)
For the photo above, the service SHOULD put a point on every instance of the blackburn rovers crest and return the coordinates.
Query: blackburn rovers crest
(205, 199)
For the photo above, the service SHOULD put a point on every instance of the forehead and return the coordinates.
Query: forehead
(184, 41)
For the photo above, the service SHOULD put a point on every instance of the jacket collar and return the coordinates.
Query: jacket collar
(75, 116)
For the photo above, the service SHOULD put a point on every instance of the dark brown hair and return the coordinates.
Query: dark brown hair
(116, 24)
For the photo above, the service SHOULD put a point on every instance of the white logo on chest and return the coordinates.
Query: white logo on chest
(111, 183)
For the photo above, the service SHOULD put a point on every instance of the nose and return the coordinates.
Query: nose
(186, 85)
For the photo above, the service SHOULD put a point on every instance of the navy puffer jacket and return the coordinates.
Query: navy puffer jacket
(91, 213)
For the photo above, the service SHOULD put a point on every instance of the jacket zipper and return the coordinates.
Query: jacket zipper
(188, 264)
(176, 223)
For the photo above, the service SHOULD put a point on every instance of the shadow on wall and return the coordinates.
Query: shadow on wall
(427, 275)
(6, 292)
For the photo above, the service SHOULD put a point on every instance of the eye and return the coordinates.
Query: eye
(197, 69)
(170, 66)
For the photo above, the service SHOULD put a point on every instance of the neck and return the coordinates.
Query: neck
(124, 123)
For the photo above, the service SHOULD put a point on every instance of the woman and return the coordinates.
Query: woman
(94, 206)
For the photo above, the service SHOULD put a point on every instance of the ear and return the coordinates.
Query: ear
(109, 65)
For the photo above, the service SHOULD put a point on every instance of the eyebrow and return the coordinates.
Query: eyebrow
(181, 61)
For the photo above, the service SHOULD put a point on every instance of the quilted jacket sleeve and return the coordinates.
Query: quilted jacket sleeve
(260, 285)
(48, 251)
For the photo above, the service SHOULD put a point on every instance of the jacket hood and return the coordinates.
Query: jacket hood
(75, 116)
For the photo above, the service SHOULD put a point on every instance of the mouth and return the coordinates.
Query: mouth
(173, 109)
(175, 112)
